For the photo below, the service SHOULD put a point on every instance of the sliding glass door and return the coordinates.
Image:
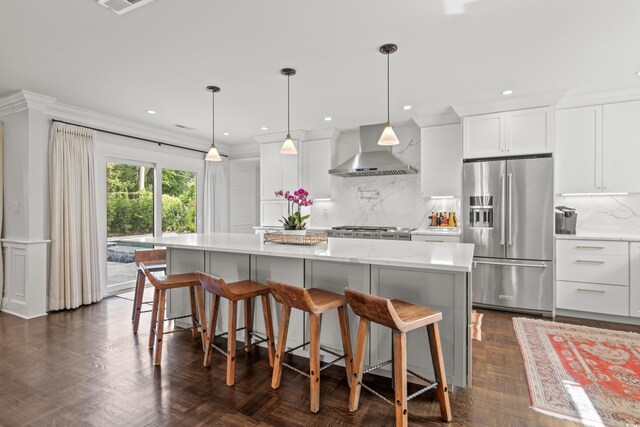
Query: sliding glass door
(179, 207)
(130, 213)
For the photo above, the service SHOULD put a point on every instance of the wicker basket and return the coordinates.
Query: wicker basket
(308, 238)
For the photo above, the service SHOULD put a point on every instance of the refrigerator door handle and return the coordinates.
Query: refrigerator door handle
(510, 219)
(502, 209)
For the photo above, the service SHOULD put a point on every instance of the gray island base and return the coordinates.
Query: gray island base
(434, 275)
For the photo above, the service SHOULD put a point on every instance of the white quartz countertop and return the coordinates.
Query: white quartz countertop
(435, 231)
(433, 256)
(624, 237)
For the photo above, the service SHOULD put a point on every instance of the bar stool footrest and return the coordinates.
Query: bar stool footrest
(431, 384)
(253, 334)
(339, 357)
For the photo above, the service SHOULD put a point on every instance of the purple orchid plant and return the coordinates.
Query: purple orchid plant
(296, 200)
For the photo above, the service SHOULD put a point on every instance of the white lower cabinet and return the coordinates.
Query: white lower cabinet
(593, 276)
(634, 283)
(434, 238)
(592, 297)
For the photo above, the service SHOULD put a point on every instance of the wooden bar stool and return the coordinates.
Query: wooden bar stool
(315, 302)
(245, 291)
(162, 284)
(401, 317)
(154, 260)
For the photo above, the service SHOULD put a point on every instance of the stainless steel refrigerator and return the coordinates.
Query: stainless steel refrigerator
(508, 209)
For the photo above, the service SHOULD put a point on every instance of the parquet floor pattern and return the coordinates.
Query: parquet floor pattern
(84, 367)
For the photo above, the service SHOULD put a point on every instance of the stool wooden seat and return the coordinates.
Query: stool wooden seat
(162, 284)
(154, 260)
(401, 317)
(315, 302)
(245, 291)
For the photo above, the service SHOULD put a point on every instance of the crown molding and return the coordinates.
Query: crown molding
(244, 151)
(437, 120)
(600, 97)
(331, 133)
(21, 100)
(50, 107)
(511, 102)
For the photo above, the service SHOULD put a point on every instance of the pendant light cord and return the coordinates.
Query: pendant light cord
(288, 105)
(388, 116)
(213, 118)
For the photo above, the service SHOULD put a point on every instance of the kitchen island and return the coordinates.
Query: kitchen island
(435, 275)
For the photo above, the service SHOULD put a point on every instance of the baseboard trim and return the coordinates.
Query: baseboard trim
(22, 316)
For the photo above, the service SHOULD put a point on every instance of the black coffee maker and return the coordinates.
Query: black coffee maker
(566, 220)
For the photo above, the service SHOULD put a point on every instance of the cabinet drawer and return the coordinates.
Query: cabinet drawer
(593, 298)
(435, 239)
(592, 247)
(606, 269)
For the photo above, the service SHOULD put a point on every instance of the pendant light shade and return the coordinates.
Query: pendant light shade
(213, 155)
(288, 147)
(388, 136)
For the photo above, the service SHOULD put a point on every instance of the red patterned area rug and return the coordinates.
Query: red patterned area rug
(587, 375)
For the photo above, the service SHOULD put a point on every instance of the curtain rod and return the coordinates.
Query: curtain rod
(160, 143)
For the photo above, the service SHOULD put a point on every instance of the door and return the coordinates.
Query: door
(529, 131)
(621, 147)
(243, 205)
(269, 170)
(483, 201)
(529, 210)
(484, 135)
(579, 150)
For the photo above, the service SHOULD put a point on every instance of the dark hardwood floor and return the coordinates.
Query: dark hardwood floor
(84, 367)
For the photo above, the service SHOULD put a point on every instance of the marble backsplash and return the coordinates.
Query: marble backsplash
(385, 200)
(605, 214)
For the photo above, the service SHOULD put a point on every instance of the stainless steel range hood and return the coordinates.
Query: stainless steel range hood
(372, 159)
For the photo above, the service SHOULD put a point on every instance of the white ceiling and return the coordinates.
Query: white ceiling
(161, 57)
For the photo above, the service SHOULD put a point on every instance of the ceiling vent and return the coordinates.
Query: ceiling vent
(123, 6)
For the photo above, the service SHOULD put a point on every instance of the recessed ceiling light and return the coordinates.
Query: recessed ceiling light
(327, 119)
(507, 92)
(638, 73)
(407, 107)
(264, 128)
(225, 133)
(151, 112)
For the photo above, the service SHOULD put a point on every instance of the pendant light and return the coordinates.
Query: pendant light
(388, 136)
(213, 155)
(287, 146)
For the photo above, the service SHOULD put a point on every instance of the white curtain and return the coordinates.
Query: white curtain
(216, 217)
(1, 210)
(74, 231)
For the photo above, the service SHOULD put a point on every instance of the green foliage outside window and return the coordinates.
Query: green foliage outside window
(130, 202)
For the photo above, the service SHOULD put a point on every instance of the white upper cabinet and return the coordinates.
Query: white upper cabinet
(579, 150)
(621, 147)
(484, 135)
(510, 133)
(529, 131)
(277, 171)
(598, 149)
(317, 158)
(441, 161)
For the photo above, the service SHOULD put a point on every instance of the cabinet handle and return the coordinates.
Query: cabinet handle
(588, 261)
(589, 247)
(591, 290)
(434, 241)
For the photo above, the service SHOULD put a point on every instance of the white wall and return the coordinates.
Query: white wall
(386, 200)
